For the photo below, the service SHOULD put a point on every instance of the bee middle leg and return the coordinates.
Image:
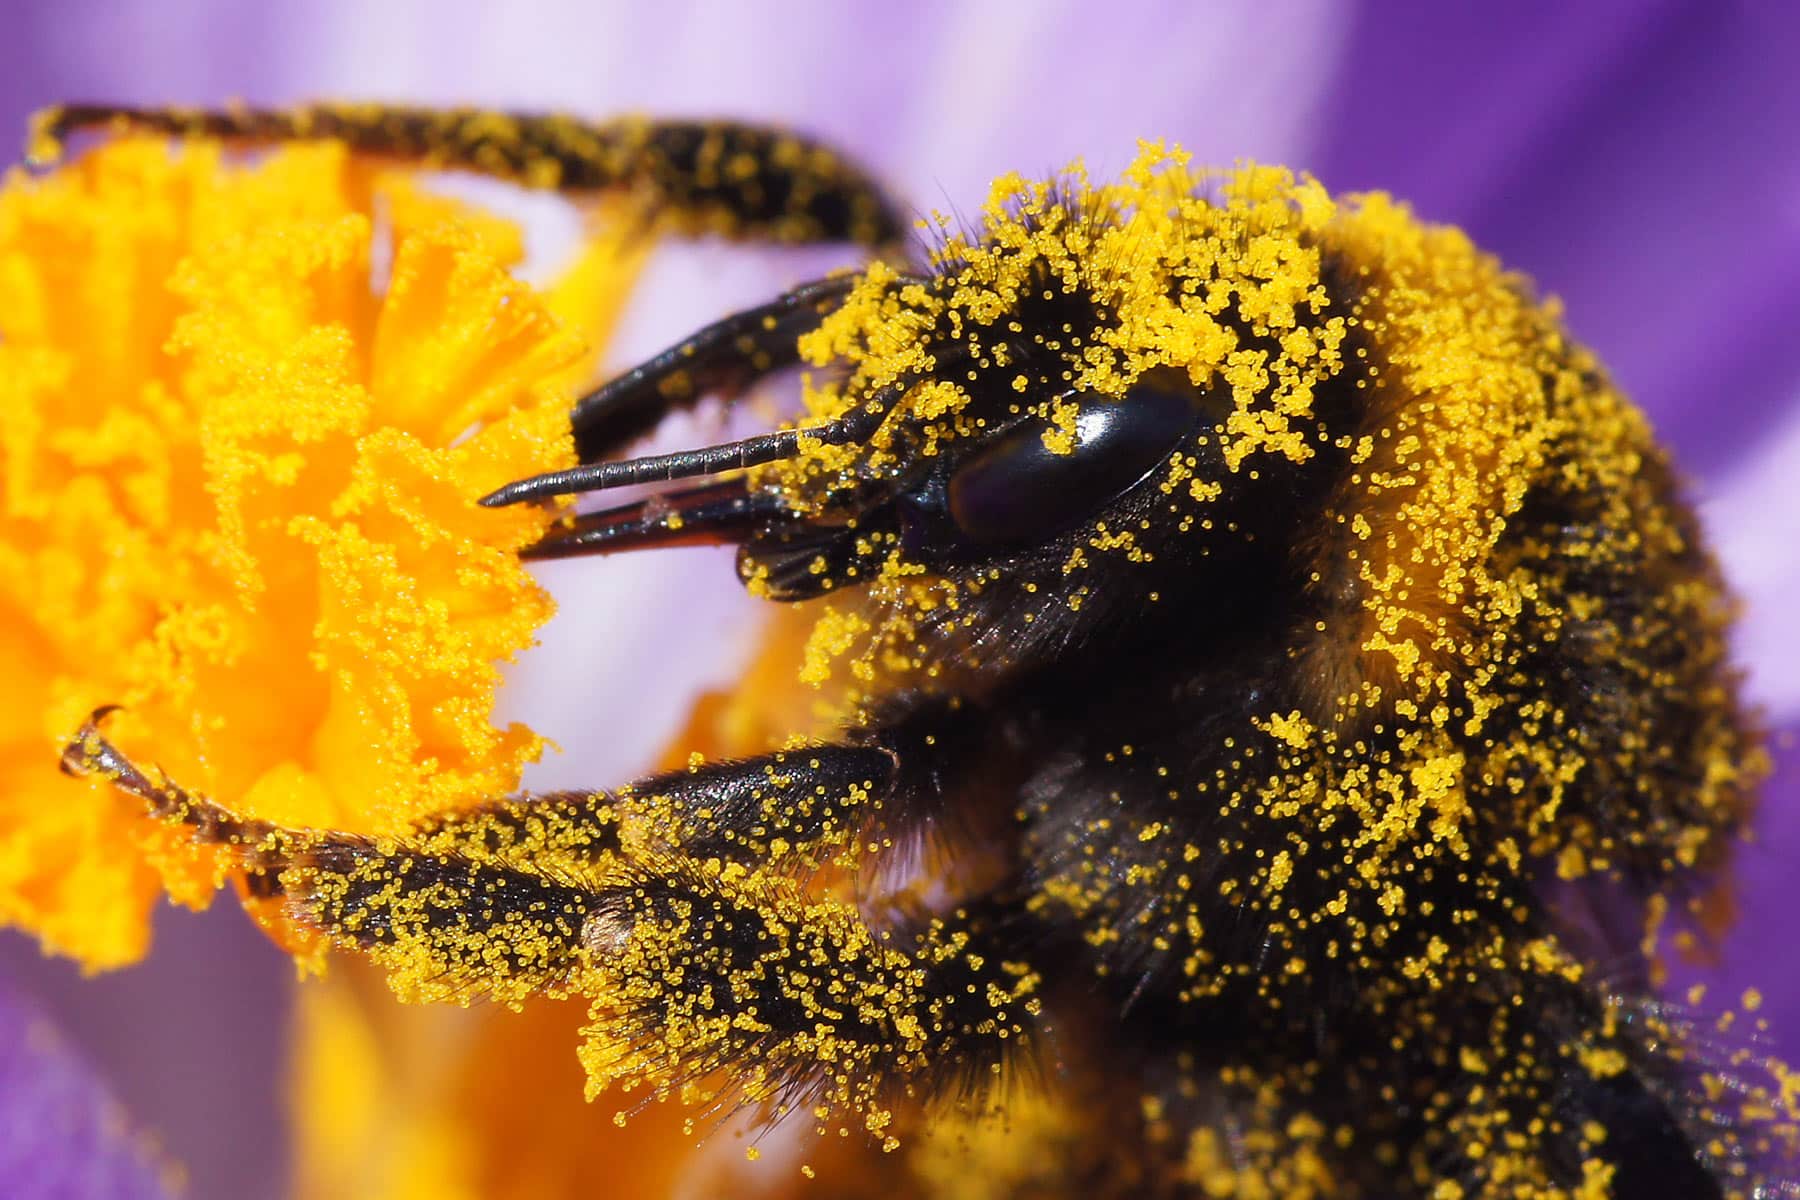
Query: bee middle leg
(741, 181)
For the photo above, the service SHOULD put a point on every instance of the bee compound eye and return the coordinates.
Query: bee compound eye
(1017, 489)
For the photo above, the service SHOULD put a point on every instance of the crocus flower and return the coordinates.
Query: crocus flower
(1629, 156)
(61, 1132)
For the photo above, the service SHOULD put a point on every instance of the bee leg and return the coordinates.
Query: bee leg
(807, 1006)
(448, 923)
(745, 182)
(792, 808)
(724, 357)
(708, 956)
(796, 807)
(696, 955)
(449, 920)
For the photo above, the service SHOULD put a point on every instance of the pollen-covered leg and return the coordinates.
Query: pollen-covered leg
(89, 753)
(745, 182)
(796, 807)
(731, 986)
(670, 906)
(504, 898)
(448, 925)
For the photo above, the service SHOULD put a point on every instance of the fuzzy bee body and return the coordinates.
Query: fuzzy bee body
(1298, 652)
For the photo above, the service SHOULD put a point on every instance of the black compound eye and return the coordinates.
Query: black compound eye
(1018, 490)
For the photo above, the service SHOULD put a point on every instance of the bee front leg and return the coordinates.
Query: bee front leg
(449, 922)
(790, 809)
(670, 906)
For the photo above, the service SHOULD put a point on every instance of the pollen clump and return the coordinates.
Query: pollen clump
(247, 410)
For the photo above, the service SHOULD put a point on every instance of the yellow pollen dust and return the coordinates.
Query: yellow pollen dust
(248, 410)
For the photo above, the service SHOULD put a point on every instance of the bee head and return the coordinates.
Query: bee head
(1140, 376)
(1098, 398)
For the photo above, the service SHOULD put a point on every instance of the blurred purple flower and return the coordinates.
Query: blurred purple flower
(1637, 159)
(61, 1134)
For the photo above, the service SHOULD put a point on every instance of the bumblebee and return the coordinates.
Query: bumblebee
(1293, 653)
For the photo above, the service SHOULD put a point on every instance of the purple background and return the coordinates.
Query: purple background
(1638, 159)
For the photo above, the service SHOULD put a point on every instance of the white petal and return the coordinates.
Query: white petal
(1753, 517)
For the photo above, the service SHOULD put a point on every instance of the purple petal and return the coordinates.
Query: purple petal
(1635, 159)
(62, 1135)
(192, 1041)
(1754, 522)
(1757, 952)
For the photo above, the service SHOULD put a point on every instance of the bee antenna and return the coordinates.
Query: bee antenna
(708, 460)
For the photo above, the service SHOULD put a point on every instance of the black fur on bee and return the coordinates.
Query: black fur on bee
(1287, 635)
